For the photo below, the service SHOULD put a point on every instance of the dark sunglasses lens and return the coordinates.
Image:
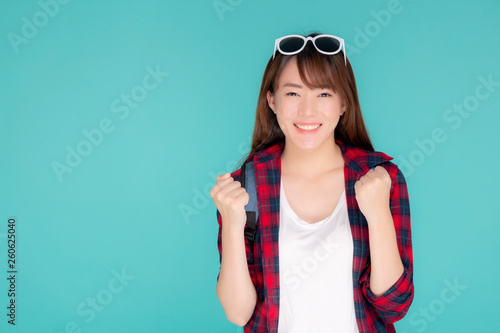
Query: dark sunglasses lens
(291, 44)
(327, 44)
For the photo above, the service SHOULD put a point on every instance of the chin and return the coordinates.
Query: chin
(307, 145)
(310, 144)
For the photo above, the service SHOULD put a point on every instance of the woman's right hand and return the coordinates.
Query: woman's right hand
(230, 199)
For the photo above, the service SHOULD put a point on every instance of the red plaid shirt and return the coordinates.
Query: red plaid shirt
(373, 314)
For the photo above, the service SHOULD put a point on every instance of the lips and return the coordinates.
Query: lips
(307, 126)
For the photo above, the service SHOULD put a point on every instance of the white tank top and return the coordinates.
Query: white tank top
(315, 269)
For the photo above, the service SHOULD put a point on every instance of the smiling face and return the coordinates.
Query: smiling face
(307, 117)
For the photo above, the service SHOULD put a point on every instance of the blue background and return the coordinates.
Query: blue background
(137, 205)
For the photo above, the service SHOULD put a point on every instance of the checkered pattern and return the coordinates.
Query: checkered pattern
(373, 314)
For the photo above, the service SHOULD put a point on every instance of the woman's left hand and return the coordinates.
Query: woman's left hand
(373, 192)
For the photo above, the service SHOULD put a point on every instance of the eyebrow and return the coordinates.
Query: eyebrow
(294, 85)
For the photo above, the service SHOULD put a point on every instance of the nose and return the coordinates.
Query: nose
(308, 106)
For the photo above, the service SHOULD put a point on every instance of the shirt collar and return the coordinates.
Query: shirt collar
(358, 159)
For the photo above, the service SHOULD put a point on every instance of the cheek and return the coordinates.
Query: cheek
(281, 121)
(287, 110)
(332, 111)
(286, 107)
(284, 122)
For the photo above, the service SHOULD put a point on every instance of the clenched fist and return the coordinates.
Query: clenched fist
(373, 192)
(230, 199)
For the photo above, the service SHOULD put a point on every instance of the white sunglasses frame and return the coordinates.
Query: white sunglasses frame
(313, 39)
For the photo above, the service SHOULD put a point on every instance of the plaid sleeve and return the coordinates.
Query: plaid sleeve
(395, 302)
(249, 253)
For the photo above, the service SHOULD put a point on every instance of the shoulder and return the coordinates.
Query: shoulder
(362, 160)
(272, 151)
(261, 157)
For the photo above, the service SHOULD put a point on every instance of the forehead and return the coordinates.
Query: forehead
(290, 73)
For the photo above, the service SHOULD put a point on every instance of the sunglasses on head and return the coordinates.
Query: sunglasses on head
(293, 44)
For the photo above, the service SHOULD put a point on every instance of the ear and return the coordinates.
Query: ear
(270, 101)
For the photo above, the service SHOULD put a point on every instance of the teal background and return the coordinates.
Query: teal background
(121, 209)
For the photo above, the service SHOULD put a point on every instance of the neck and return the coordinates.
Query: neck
(312, 162)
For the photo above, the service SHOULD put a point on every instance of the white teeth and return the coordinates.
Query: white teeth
(307, 127)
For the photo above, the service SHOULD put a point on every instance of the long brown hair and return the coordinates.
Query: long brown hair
(323, 71)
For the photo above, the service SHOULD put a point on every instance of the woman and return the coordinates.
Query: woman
(333, 248)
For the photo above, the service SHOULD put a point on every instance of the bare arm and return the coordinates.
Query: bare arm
(235, 289)
(386, 264)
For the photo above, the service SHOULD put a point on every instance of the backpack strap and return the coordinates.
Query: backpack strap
(247, 181)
